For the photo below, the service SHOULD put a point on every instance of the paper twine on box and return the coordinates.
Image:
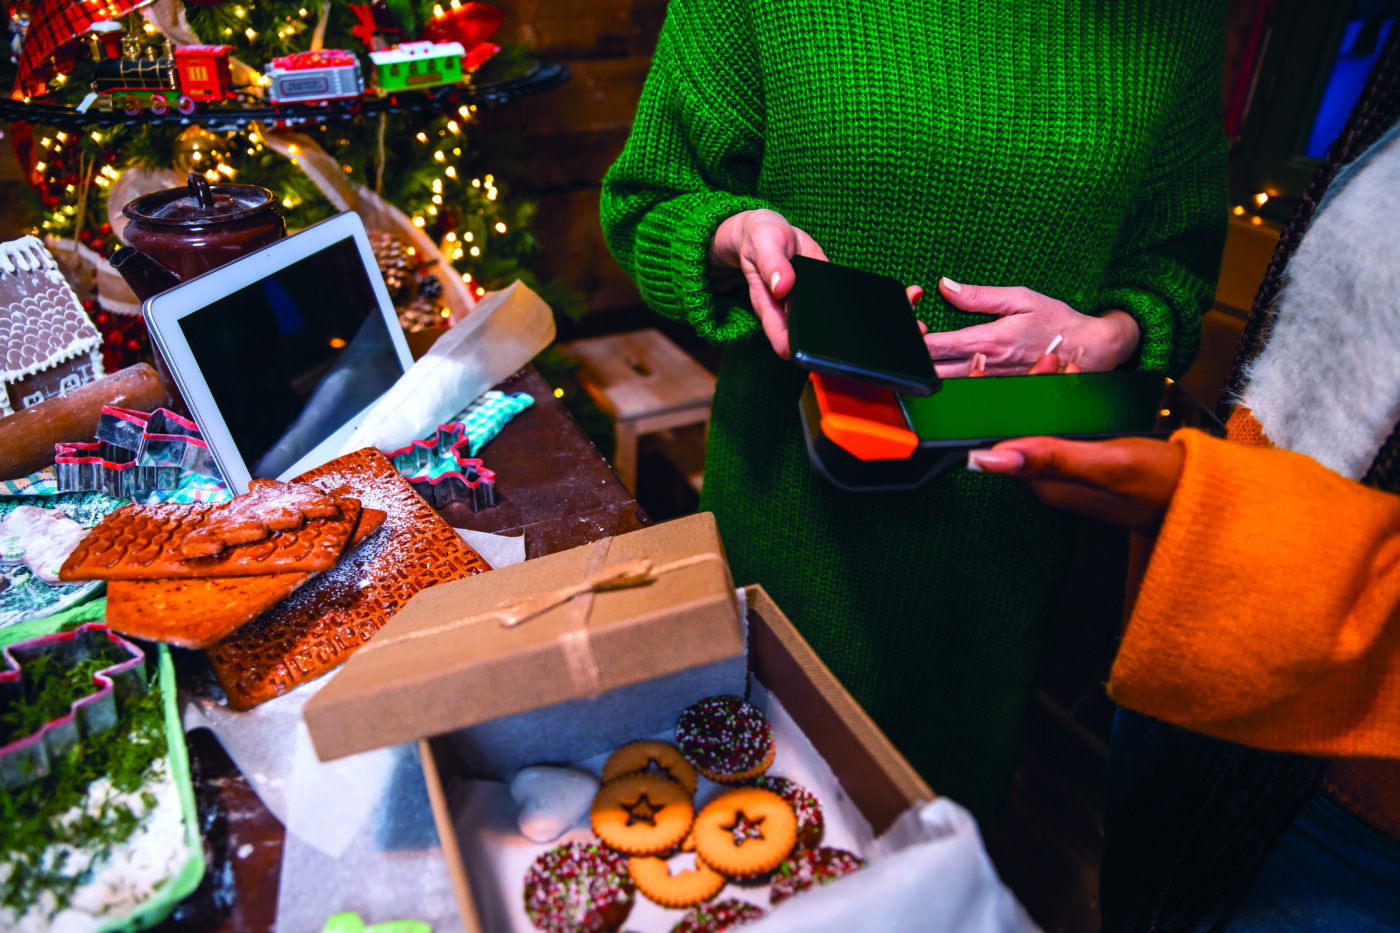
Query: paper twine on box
(576, 641)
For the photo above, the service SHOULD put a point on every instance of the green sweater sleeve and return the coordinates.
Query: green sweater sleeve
(1167, 256)
(691, 160)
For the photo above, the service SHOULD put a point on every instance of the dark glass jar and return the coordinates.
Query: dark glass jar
(200, 227)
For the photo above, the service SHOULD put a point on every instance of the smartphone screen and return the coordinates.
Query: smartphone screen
(971, 412)
(859, 325)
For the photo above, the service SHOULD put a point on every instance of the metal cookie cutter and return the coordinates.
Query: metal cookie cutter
(135, 453)
(25, 757)
(421, 463)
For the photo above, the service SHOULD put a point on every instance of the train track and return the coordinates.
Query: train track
(543, 76)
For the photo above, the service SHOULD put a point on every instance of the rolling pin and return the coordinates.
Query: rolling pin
(27, 437)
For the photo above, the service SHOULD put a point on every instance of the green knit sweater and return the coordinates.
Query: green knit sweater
(1074, 148)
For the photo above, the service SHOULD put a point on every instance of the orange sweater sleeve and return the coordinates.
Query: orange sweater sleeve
(1270, 611)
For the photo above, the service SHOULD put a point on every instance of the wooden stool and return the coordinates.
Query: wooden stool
(647, 385)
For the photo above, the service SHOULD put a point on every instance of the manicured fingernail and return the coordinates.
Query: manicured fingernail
(951, 285)
(917, 293)
(979, 365)
(1053, 344)
(995, 461)
(776, 277)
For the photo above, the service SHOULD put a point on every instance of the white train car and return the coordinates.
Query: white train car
(314, 77)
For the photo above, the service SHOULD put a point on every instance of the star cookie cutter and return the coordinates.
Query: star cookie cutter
(135, 453)
(24, 758)
(471, 482)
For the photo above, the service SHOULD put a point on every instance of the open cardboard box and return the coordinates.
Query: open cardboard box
(872, 773)
(484, 698)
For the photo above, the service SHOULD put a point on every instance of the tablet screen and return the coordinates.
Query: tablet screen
(294, 356)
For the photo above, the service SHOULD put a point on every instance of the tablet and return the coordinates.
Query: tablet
(858, 325)
(279, 353)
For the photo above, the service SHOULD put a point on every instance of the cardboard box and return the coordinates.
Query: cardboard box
(871, 773)
(582, 669)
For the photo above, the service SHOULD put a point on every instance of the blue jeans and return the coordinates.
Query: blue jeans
(1329, 871)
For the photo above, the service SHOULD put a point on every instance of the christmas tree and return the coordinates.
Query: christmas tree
(414, 150)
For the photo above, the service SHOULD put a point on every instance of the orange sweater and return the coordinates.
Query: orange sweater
(1270, 611)
(1269, 614)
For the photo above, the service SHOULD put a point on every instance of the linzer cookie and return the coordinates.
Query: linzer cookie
(325, 621)
(196, 613)
(144, 543)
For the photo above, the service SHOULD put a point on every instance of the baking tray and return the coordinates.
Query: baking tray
(187, 877)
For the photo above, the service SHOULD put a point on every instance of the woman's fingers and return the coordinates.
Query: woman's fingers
(1128, 481)
(989, 299)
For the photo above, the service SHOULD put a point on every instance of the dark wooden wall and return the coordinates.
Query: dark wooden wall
(563, 141)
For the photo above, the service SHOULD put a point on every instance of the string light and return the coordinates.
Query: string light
(239, 11)
(432, 210)
(1261, 198)
(450, 236)
(418, 221)
(476, 182)
(422, 136)
(476, 250)
(96, 136)
(491, 195)
(437, 199)
(457, 253)
(250, 33)
(437, 189)
(500, 227)
(451, 172)
(469, 236)
(439, 11)
(1239, 210)
(439, 156)
(466, 276)
(286, 202)
(452, 125)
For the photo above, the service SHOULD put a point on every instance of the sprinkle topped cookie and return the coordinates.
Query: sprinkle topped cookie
(728, 739)
(712, 918)
(809, 868)
(578, 888)
(810, 824)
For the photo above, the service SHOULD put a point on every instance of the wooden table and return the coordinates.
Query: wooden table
(556, 489)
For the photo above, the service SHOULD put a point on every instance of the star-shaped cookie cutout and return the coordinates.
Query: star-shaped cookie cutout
(744, 828)
(642, 811)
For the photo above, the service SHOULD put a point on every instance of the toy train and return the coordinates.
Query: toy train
(190, 75)
(183, 79)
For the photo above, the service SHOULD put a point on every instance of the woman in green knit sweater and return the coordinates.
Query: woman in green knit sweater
(1067, 160)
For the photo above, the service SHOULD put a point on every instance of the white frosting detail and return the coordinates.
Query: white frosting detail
(131, 872)
(28, 254)
(1326, 384)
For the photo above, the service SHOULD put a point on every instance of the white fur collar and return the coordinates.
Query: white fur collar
(1327, 383)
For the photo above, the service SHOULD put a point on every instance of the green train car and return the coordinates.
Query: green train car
(413, 66)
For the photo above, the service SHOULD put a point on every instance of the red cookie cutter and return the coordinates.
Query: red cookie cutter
(471, 482)
(28, 757)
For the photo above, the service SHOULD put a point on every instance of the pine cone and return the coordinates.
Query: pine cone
(429, 286)
(395, 264)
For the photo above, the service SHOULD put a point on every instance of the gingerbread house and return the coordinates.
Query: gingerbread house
(47, 343)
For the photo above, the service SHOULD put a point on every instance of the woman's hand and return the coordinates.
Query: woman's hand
(759, 244)
(1128, 481)
(1027, 323)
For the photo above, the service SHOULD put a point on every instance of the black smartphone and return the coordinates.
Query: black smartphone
(858, 325)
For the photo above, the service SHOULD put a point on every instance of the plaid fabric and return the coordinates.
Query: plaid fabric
(483, 419)
(53, 25)
(194, 487)
(42, 483)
